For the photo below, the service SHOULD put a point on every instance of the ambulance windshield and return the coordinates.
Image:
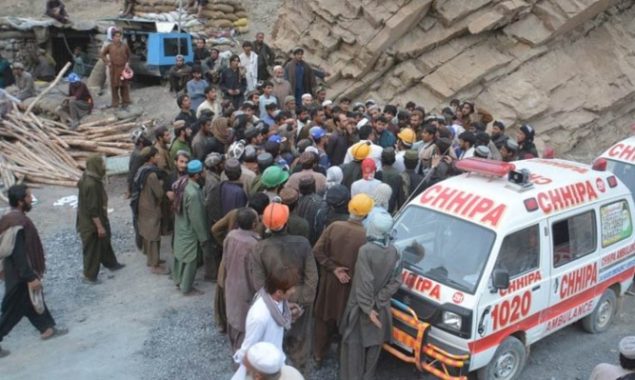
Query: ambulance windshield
(455, 250)
(625, 172)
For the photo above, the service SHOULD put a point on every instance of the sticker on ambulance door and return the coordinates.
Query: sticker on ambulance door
(616, 223)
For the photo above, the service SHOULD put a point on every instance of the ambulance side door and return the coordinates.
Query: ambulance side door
(573, 277)
(506, 311)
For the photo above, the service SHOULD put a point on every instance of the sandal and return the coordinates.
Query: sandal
(4, 353)
(56, 332)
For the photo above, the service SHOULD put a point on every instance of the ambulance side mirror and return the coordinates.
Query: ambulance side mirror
(500, 279)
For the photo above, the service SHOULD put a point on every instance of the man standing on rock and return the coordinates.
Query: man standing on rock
(92, 220)
(150, 195)
(265, 56)
(116, 56)
(23, 268)
(249, 60)
(190, 230)
(301, 76)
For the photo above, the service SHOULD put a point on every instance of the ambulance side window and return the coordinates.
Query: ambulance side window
(573, 238)
(616, 222)
(520, 252)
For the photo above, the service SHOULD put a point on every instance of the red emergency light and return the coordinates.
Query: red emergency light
(485, 166)
(599, 164)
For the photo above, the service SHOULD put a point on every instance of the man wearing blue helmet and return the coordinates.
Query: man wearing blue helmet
(79, 102)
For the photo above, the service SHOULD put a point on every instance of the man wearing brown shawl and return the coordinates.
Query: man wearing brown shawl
(92, 220)
(150, 195)
(23, 268)
(336, 253)
(221, 131)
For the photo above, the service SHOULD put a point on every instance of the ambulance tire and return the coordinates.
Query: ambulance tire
(508, 361)
(602, 316)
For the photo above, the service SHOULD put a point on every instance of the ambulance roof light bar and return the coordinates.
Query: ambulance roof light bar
(485, 167)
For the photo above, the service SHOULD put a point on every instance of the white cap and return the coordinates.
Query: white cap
(627, 347)
(312, 149)
(327, 103)
(361, 123)
(265, 358)
(307, 96)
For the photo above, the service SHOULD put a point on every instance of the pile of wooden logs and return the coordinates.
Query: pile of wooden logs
(40, 151)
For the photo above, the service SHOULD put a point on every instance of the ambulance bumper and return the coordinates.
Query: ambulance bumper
(411, 344)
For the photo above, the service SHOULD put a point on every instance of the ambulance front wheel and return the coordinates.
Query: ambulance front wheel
(601, 318)
(508, 361)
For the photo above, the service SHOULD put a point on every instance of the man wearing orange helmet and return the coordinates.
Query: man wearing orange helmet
(283, 250)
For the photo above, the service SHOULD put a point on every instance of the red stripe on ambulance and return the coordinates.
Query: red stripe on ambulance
(546, 315)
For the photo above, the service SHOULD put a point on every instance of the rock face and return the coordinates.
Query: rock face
(565, 66)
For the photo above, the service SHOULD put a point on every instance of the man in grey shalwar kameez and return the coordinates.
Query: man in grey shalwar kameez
(367, 322)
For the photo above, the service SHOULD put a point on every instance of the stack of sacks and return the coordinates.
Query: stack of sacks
(218, 15)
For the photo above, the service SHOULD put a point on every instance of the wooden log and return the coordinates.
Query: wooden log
(50, 87)
(55, 182)
(105, 121)
(112, 151)
(127, 146)
(119, 137)
(85, 144)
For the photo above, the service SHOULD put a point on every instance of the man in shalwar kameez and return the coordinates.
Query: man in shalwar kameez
(93, 225)
(190, 229)
(367, 322)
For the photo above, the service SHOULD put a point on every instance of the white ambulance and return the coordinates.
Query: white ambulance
(513, 253)
(620, 159)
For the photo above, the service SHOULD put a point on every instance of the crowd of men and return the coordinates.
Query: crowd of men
(285, 198)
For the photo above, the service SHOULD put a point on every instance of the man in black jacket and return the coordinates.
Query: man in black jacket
(265, 56)
(233, 82)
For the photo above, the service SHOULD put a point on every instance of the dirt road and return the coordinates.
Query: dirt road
(135, 325)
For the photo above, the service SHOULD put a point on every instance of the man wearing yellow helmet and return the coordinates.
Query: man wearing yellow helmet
(405, 139)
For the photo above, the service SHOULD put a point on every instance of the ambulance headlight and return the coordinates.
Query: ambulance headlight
(452, 320)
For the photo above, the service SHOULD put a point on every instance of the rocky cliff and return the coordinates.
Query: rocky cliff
(565, 66)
